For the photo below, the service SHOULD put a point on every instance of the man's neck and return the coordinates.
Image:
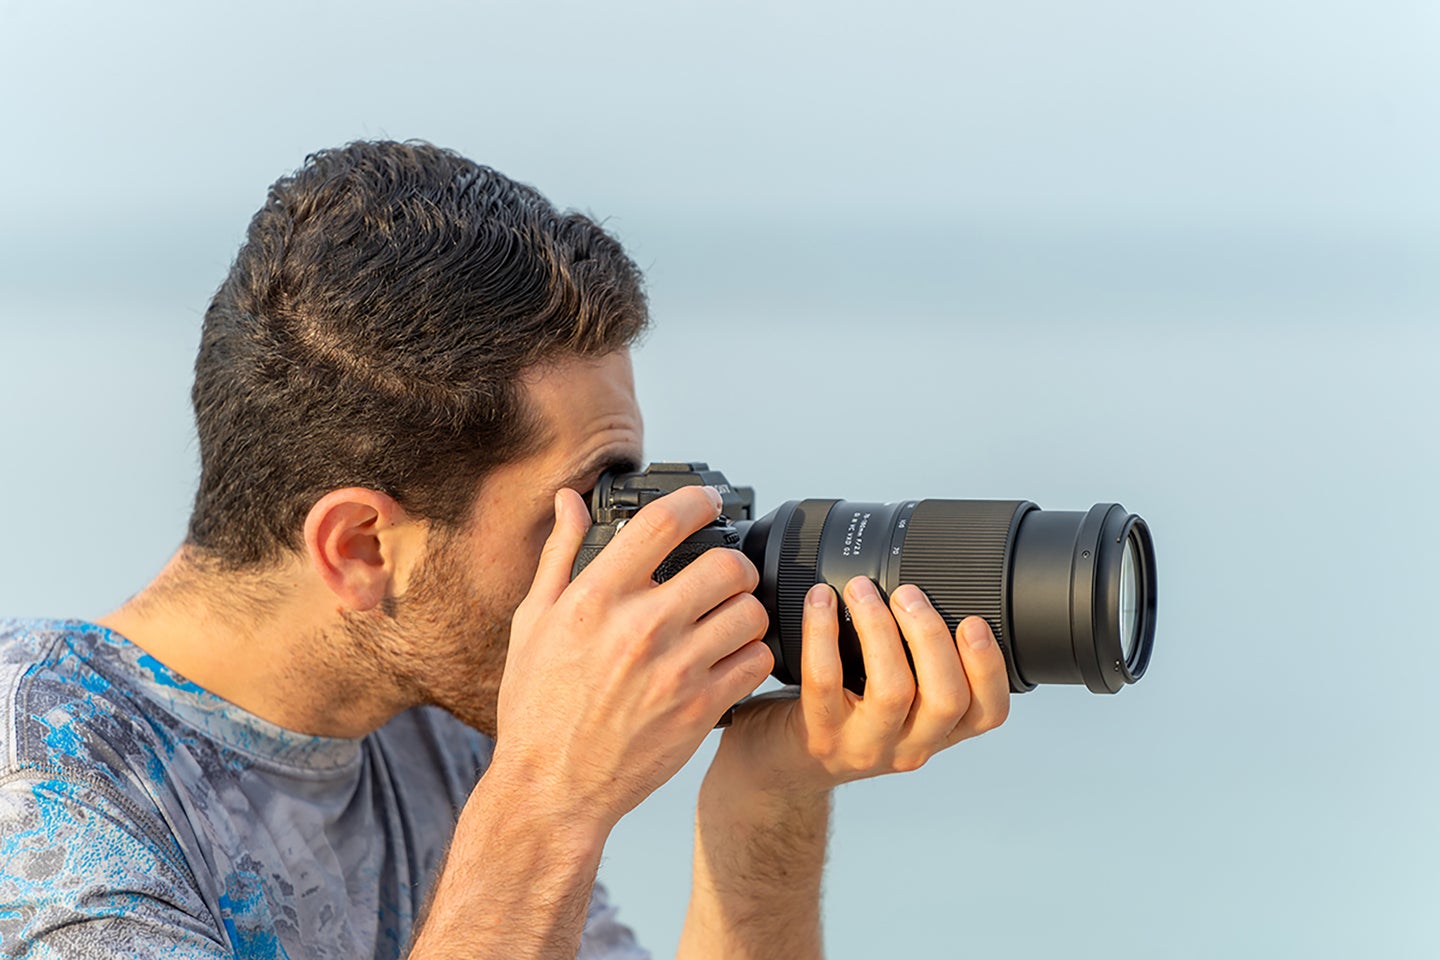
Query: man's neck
(271, 644)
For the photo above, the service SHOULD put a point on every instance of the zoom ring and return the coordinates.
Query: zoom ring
(955, 549)
(799, 554)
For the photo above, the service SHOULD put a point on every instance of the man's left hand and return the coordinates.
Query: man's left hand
(827, 736)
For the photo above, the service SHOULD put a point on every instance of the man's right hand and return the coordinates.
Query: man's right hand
(612, 681)
(610, 684)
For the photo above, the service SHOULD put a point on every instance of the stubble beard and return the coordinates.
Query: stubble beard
(442, 643)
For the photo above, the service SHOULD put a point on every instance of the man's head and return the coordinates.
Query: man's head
(373, 333)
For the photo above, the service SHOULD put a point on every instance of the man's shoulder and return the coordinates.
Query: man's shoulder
(48, 685)
(86, 838)
(72, 730)
(30, 644)
(56, 700)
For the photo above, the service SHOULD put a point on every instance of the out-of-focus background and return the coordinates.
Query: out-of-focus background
(1182, 257)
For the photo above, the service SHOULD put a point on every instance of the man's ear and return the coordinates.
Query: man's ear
(362, 544)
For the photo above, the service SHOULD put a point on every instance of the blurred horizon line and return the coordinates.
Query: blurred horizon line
(971, 263)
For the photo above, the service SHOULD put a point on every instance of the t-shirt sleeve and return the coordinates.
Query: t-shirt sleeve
(605, 937)
(80, 878)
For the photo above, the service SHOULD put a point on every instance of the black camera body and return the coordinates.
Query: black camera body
(1070, 596)
(619, 496)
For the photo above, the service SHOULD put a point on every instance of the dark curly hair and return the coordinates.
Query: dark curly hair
(371, 333)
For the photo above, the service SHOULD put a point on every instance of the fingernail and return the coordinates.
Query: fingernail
(977, 633)
(821, 597)
(911, 599)
(862, 590)
(715, 498)
(557, 503)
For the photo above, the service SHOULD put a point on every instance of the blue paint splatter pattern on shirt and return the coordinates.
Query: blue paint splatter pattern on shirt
(142, 816)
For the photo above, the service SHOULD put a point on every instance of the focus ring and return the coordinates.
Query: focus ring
(957, 550)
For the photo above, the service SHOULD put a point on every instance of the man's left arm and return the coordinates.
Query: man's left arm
(763, 815)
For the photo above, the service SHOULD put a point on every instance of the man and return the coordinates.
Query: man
(411, 369)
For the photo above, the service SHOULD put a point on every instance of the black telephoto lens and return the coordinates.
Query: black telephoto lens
(1070, 596)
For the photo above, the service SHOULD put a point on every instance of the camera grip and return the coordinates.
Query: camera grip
(718, 534)
(707, 538)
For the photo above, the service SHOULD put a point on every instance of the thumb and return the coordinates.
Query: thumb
(572, 519)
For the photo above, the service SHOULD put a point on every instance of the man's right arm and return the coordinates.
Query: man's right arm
(517, 878)
(611, 683)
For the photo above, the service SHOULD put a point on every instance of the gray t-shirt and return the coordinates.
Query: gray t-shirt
(142, 816)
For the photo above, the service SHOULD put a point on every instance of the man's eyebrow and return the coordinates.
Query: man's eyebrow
(584, 477)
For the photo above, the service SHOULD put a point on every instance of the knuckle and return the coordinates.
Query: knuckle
(869, 760)
(949, 705)
(659, 521)
(826, 675)
(910, 762)
(671, 688)
(823, 748)
(645, 642)
(759, 667)
(749, 574)
(989, 719)
(586, 599)
(741, 569)
(891, 698)
(632, 655)
(730, 566)
(755, 616)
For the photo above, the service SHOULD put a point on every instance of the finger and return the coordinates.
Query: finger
(989, 683)
(707, 581)
(942, 689)
(557, 557)
(822, 675)
(656, 530)
(889, 684)
(727, 628)
(737, 676)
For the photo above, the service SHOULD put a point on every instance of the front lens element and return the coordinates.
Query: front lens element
(1129, 600)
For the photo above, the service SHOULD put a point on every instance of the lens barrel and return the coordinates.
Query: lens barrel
(1070, 596)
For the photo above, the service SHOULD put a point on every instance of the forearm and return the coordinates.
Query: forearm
(516, 881)
(759, 856)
